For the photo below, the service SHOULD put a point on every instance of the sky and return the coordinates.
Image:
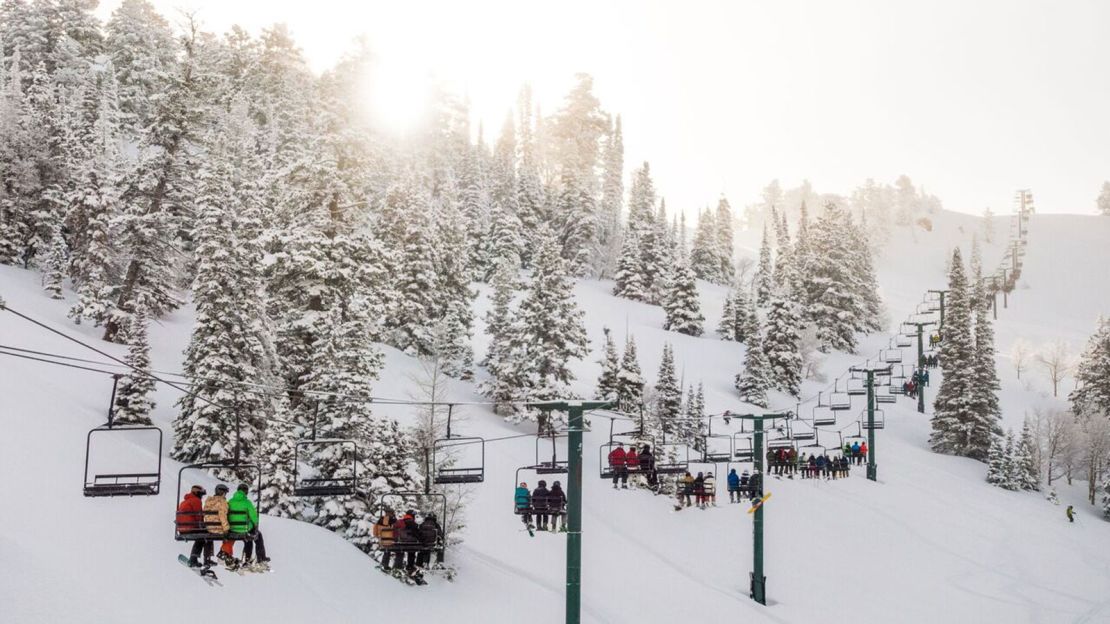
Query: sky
(972, 100)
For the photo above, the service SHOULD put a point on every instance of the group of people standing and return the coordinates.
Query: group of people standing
(217, 516)
(623, 463)
(408, 543)
(542, 505)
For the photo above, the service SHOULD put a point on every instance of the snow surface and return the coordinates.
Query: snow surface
(931, 541)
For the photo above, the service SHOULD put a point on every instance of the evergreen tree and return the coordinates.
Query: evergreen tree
(705, 255)
(784, 251)
(954, 409)
(754, 381)
(629, 277)
(985, 412)
(502, 382)
(996, 462)
(725, 240)
(781, 343)
(726, 329)
(681, 305)
(54, 268)
(1103, 201)
(550, 331)
(832, 294)
(608, 382)
(142, 48)
(763, 272)
(1027, 474)
(630, 379)
(611, 203)
(414, 312)
(278, 446)
(1092, 375)
(134, 397)
(668, 398)
(1009, 465)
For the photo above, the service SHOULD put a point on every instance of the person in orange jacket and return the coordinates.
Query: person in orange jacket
(863, 453)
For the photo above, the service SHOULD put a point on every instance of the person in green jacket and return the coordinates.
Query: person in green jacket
(243, 517)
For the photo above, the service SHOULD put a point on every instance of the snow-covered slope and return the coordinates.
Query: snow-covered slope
(929, 542)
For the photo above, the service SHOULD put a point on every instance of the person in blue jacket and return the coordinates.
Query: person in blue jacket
(523, 500)
(733, 486)
(855, 452)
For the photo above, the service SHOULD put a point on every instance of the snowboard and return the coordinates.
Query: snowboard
(204, 572)
(759, 503)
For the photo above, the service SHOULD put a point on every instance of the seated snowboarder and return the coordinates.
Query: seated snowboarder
(385, 532)
(243, 518)
(557, 505)
(539, 505)
(215, 515)
(523, 501)
(618, 464)
(407, 534)
(190, 519)
(733, 486)
(429, 532)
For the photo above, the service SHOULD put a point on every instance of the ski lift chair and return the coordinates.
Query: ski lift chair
(554, 465)
(607, 471)
(326, 485)
(823, 415)
(423, 503)
(742, 450)
(838, 402)
(472, 472)
(880, 420)
(805, 432)
(856, 386)
(891, 356)
(122, 483)
(672, 458)
(720, 453)
(192, 526)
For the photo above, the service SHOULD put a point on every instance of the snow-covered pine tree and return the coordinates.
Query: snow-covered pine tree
(93, 203)
(502, 382)
(668, 398)
(134, 396)
(630, 379)
(142, 47)
(725, 240)
(726, 329)
(762, 282)
(747, 322)
(705, 254)
(781, 342)
(629, 279)
(231, 341)
(55, 261)
(452, 328)
(681, 304)
(575, 220)
(1010, 477)
(413, 313)
(996, 461)
(802, 255)
(160, 192)
(754, 380)
(1092, 374)
(277, 450)
(868, 305)
(1106, 496)
(953, 407)
(608, 381)
(611, 203)
(1027, 474)
(830, 282)
(550, 331)
(985, 412)
(784, 251)
(659, 264)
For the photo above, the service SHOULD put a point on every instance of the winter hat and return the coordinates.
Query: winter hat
(523, 484)
(198, 490)
(244, 488)
(221, 489)
(543, 483)
(556, 484)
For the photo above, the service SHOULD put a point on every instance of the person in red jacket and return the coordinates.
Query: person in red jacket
(618, 462)
(863, 453)
(632, 463)
(190, 519)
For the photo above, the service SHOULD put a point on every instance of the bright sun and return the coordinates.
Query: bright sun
(397, 93)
